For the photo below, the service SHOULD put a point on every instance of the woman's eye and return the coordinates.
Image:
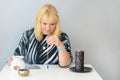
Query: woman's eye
(44, 23)
(52, 24)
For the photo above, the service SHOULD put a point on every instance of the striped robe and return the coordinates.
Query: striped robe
(38, 52)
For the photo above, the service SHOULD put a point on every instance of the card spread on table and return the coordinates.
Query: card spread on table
(32, 67)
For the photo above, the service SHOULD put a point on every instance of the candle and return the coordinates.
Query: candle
(79, 60)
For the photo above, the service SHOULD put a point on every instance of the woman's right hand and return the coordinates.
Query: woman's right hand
(9, 61)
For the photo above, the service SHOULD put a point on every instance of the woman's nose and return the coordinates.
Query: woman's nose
(48, 27)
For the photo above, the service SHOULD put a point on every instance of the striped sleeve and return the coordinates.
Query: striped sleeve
(65, 39)
(22, 46)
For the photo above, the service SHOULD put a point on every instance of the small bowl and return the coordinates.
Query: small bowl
(23, 72)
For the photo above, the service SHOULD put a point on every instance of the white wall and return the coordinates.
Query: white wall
(92, 25)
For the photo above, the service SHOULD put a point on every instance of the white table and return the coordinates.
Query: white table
(53, 73)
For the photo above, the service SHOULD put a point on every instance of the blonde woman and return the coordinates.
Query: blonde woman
(45, 43)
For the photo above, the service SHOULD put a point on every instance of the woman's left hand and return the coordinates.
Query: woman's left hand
(54, 40)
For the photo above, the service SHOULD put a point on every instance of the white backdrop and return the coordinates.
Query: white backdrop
(92, 25)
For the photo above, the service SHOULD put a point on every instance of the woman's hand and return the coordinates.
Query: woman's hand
(9, 61)
(54, 40)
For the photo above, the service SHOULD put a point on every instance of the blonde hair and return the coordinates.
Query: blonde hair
(50, 11)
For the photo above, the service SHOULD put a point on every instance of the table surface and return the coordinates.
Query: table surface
(53, 73)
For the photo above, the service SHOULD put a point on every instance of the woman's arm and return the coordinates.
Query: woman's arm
(22, 46)
(64, 56)
(64, 48)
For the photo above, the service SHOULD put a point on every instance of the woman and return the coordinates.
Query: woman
(45, 43)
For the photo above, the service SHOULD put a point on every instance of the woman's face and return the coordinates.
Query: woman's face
(47, 25)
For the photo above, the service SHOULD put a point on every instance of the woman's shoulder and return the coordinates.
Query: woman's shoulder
(28, 32)
(64, 34)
